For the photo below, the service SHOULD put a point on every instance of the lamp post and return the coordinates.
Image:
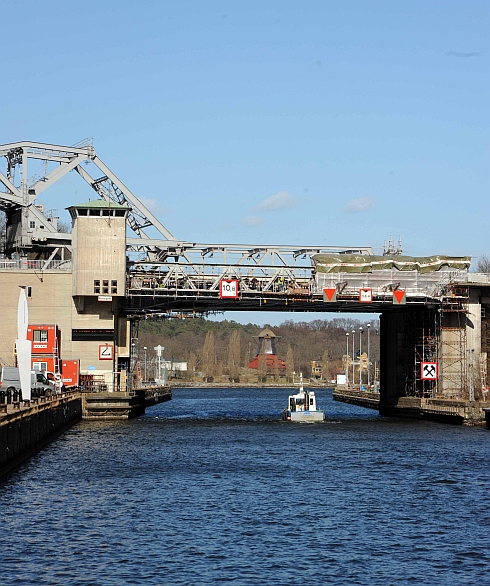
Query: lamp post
(145, 349)
(353, 357)
(369, 364)
(360, 357)
(347, 361)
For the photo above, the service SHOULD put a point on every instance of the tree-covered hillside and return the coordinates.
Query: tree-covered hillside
(218, 347)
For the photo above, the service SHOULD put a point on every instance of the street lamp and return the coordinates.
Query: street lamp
(347, 361)
(360, 357)
(145, 349)
(353, 356)
(369, 364)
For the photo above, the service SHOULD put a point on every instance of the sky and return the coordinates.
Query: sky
(280, 122)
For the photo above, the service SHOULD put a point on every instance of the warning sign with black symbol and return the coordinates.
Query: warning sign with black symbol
(429, 371)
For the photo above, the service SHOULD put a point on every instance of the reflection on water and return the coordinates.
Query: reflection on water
(212, 487)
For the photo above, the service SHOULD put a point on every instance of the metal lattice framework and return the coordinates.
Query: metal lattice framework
(34, 231)
(167, 274)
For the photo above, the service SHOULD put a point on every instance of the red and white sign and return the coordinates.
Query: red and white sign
(228, 289)
(330, 295)
(365, 295)
(106, 352)
(399, 297)
(429, 370)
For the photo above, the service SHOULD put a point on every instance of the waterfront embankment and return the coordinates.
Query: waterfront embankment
(444, 410)
(25, 427)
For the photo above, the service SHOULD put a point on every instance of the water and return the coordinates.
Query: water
(213, 488)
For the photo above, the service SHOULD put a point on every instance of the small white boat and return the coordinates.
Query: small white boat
(302, 407)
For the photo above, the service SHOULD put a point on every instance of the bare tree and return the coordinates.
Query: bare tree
(262, 368)
(64, 227)
(483, 264)
(209, 355)
(289, 362)
(325, 366)
(191, 365)
(234, 356)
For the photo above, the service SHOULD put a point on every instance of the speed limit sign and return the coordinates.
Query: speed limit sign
(228, 289)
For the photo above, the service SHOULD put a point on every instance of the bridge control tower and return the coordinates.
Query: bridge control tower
(99, 249)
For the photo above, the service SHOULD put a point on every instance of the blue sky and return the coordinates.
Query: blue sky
(284, 122)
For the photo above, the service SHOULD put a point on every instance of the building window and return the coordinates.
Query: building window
(83, 212)
(92, 335)
(105, 287)
(114, 287)
(40, 366)
(97, 287)
(40, 335)
(94, 212)
(32, 224)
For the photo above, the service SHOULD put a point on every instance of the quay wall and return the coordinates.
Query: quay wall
(443, 410)
(26, 429)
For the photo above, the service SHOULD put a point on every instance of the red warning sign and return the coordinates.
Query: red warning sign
(330, 295)
(365, 295)
(399, 297)
(228, 289)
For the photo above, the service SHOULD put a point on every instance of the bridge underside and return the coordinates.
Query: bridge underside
(154, 302)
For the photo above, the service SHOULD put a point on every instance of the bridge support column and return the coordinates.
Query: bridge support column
(396, 358)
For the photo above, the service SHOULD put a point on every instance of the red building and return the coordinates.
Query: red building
(266, 352)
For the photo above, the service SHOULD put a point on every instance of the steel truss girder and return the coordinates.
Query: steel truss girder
(167, 250)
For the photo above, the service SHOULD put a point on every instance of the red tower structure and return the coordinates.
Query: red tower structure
(267, 351)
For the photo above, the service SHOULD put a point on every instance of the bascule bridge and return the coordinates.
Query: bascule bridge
(119, 264)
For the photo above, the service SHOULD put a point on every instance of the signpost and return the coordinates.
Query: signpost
(106, 352)
(365, 295)
(429, 370)
(158, 349)
(399, 297)
(228, 289)
(330, 295)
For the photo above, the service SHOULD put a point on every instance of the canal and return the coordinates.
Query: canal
(212, 487)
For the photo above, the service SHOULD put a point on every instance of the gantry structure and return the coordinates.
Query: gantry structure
(187, 274)
(166, 274)
(426, 312)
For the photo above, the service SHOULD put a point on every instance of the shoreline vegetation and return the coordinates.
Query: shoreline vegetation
(223, 350)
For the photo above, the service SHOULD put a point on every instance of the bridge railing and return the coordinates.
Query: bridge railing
(37, 265)
(181, 278)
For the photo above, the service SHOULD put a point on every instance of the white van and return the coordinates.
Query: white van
(10, 381)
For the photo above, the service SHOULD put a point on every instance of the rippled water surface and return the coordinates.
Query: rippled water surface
(212, 487)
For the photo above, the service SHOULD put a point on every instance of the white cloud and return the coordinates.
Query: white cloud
(280, 201)
(153, 205)
(253, 221)
(363, 204)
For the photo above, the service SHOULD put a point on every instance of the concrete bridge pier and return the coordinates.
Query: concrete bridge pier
(451, 337)
(397, 345)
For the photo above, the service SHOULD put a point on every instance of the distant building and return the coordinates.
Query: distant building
(267, 353)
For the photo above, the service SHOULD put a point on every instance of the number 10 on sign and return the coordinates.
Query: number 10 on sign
(228, 289)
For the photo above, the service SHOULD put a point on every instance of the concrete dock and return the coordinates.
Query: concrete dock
(25, 427)
(445, 410)
(111, 406)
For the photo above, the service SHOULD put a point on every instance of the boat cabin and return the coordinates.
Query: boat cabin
(303, 401)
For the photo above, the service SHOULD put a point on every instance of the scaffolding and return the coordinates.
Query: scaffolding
(425, 344)
(453, 361)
